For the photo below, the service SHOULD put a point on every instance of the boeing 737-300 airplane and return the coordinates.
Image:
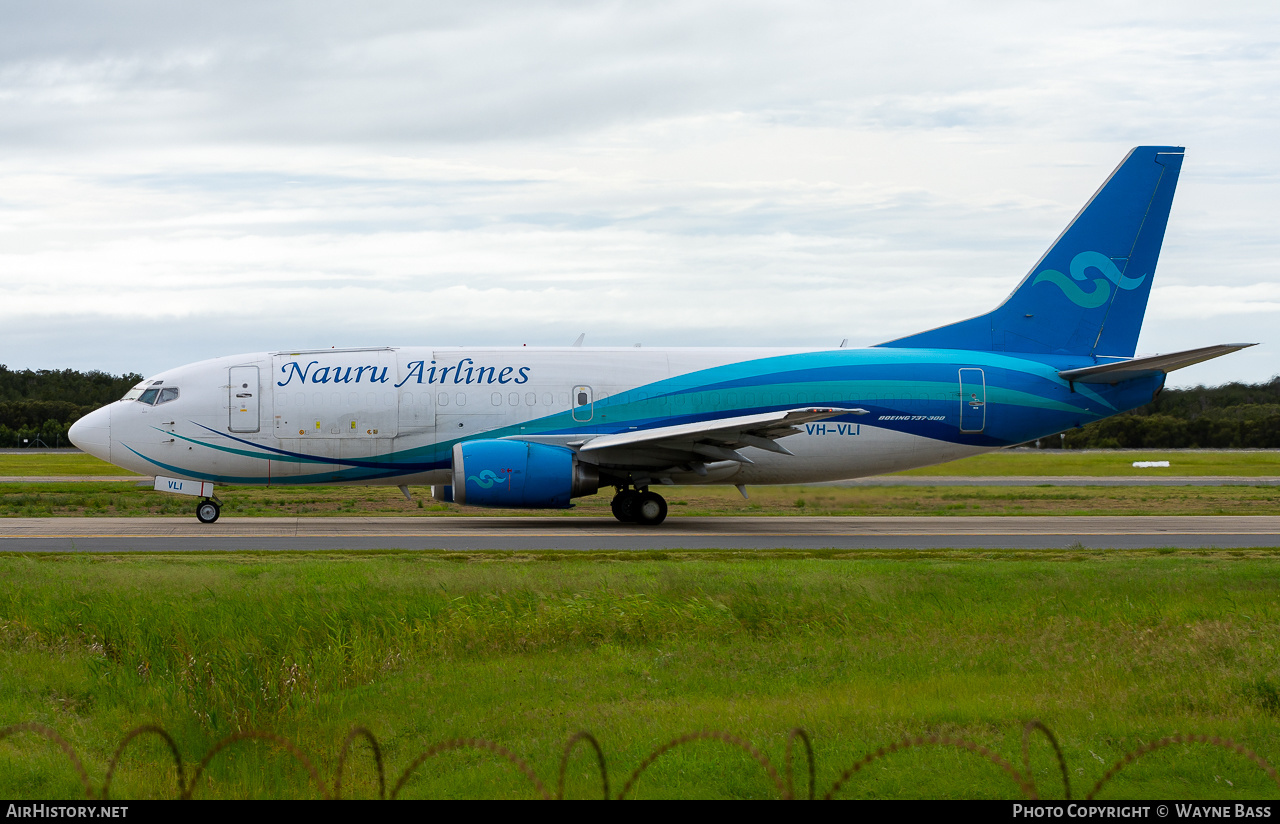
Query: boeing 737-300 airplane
(537, 427)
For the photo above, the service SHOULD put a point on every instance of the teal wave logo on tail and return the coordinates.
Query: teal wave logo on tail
(1101, 290)
(486, 479)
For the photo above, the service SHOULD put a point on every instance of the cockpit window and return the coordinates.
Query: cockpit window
(153, 396)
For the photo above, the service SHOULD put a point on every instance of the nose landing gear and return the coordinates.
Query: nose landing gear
(639, 506)
(208, 510)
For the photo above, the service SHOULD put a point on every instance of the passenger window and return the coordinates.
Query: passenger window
(169, 393)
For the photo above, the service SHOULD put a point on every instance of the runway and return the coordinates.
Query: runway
(543, 533)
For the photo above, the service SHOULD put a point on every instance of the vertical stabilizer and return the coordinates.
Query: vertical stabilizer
(1087, 295)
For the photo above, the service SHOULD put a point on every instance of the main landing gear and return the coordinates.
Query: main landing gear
(639, 506)
(208, 510)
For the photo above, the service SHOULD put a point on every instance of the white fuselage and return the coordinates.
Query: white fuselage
(408, 406)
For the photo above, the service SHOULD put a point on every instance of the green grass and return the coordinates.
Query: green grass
(1048, 463)
(54, 463)
(124, 498)
(1058, 462)
(1110, 649)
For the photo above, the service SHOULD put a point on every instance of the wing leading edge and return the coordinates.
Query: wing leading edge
(719, 439)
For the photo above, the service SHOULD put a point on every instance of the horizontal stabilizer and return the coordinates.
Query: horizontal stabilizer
(1113, 373)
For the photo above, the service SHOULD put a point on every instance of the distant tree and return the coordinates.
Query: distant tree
(83, 388)
(46, 402)
(1232, 416)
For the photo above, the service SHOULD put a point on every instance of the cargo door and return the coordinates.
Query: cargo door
(346, 395)
(417, 412)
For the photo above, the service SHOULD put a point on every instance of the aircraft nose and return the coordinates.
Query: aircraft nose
(92, 433)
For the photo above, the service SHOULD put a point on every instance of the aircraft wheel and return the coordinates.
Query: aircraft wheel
(651, 509)
(207, 512)
(624, 505)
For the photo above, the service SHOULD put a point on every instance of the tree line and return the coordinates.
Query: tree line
(1232, 416)
(44, 403)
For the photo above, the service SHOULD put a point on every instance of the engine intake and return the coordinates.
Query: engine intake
(519, 474)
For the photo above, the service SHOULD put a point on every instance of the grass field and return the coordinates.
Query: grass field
(1058, 462)
(123, 498)
(56, 463)
(1046, 463)
(1110, 649)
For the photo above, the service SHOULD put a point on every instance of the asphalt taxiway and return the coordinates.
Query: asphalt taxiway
(582, 533)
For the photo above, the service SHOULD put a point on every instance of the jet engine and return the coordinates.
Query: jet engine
(518, 474)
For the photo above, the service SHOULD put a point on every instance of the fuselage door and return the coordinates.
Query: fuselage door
(343, 394)
(973, 400)
(242, 399)
(581, 401)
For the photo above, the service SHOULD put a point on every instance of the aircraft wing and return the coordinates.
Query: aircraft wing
(714, 440)
(1113, 373)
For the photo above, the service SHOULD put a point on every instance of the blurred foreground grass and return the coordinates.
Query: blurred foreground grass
(1110, 649)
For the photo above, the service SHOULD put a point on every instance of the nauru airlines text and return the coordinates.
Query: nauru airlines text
(418, 372)
(534, 427)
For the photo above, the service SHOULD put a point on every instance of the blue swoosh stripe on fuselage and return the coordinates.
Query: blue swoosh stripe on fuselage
(292, 457)
(286, 480)
(1043, 403)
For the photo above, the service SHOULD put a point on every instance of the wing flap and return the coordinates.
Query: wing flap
(720, 438)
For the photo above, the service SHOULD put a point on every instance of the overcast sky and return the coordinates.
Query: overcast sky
(180, 181)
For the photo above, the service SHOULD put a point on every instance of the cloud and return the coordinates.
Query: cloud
(674, 173)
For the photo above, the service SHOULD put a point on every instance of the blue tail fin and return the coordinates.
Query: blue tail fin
(1088, 294)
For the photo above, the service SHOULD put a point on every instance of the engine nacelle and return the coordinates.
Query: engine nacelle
(519, 474)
